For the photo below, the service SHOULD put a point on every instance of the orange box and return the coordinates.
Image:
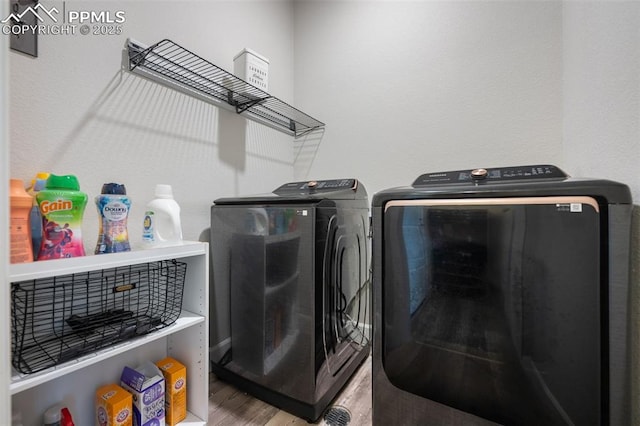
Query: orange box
(175, 376)
(113, 406)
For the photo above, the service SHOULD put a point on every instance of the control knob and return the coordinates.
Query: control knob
(479, 174)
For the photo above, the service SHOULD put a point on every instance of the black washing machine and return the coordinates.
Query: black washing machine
(501, 297)
(289, 292)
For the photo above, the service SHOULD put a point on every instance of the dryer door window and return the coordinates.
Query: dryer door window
(494, 306)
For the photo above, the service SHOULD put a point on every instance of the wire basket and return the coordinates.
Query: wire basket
(57, 319)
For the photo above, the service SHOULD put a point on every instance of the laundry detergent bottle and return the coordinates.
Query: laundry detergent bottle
(62, 207)
(113, 210)
(35, 218)
(20, 203)
(161, 224)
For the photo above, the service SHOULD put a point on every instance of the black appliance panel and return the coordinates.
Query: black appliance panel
(494, 309)
(306, 192)
(316, 187)
(492, 175)
(262, 324)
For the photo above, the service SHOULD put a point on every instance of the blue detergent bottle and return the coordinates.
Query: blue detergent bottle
(113, 210)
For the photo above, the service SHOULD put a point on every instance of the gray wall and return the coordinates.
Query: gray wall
(601, 90)
(410, 87)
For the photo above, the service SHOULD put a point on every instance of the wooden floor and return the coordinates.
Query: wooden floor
(229, 406)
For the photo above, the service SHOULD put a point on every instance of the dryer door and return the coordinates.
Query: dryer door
(343, 302)
(494, 306)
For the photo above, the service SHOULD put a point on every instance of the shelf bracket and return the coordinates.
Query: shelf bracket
(305, 132)
(244, 106)
(138, 53)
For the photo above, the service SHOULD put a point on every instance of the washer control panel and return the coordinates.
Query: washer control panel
(494, 175)
(316, 186)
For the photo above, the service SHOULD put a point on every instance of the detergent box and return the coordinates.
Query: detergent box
(113, 406)
(175, 376)
(146, 385)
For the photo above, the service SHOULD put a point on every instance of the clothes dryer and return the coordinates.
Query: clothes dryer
(289, 292)
(501, 297)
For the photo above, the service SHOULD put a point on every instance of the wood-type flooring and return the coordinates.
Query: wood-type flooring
(229, 406)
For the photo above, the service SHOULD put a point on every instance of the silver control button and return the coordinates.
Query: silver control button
(479, 173)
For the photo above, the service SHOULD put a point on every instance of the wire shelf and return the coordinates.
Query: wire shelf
(171, 63)
(57, 319)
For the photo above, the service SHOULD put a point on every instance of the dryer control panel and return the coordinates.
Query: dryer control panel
(494, 175)
(316, 186)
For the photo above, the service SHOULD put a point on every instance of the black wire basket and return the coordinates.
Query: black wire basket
(57, 319)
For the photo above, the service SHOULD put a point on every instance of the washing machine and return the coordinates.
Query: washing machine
(501, 297)
(290, 292)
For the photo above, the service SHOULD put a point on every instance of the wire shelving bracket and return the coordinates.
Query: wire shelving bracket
(175, 66)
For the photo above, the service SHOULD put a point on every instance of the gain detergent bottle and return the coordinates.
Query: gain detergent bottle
(62, 207)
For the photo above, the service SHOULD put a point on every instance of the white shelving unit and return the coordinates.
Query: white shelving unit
(5, 413)
(74, 383)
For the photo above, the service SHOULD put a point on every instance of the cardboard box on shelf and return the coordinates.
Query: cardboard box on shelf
(175, 375)
(113, 406)
(146, 385)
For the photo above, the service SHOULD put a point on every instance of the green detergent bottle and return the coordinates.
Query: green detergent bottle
(62, 207)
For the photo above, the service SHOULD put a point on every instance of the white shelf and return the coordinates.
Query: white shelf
(74, 382)
(48, 268)
(192, 420)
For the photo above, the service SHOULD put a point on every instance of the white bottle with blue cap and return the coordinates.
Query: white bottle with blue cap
(161, 225)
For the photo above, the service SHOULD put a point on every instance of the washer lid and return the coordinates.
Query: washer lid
(493, 175)
(522, 181)
(306, 192)
(320, 188)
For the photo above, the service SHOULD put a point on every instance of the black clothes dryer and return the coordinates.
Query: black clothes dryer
(289, 292)
(501, 297)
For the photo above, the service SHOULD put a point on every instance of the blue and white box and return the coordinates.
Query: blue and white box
(146, 385)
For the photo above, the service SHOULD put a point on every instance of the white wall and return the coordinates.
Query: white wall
(601, 108)
(74, 110)
(407, 87)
